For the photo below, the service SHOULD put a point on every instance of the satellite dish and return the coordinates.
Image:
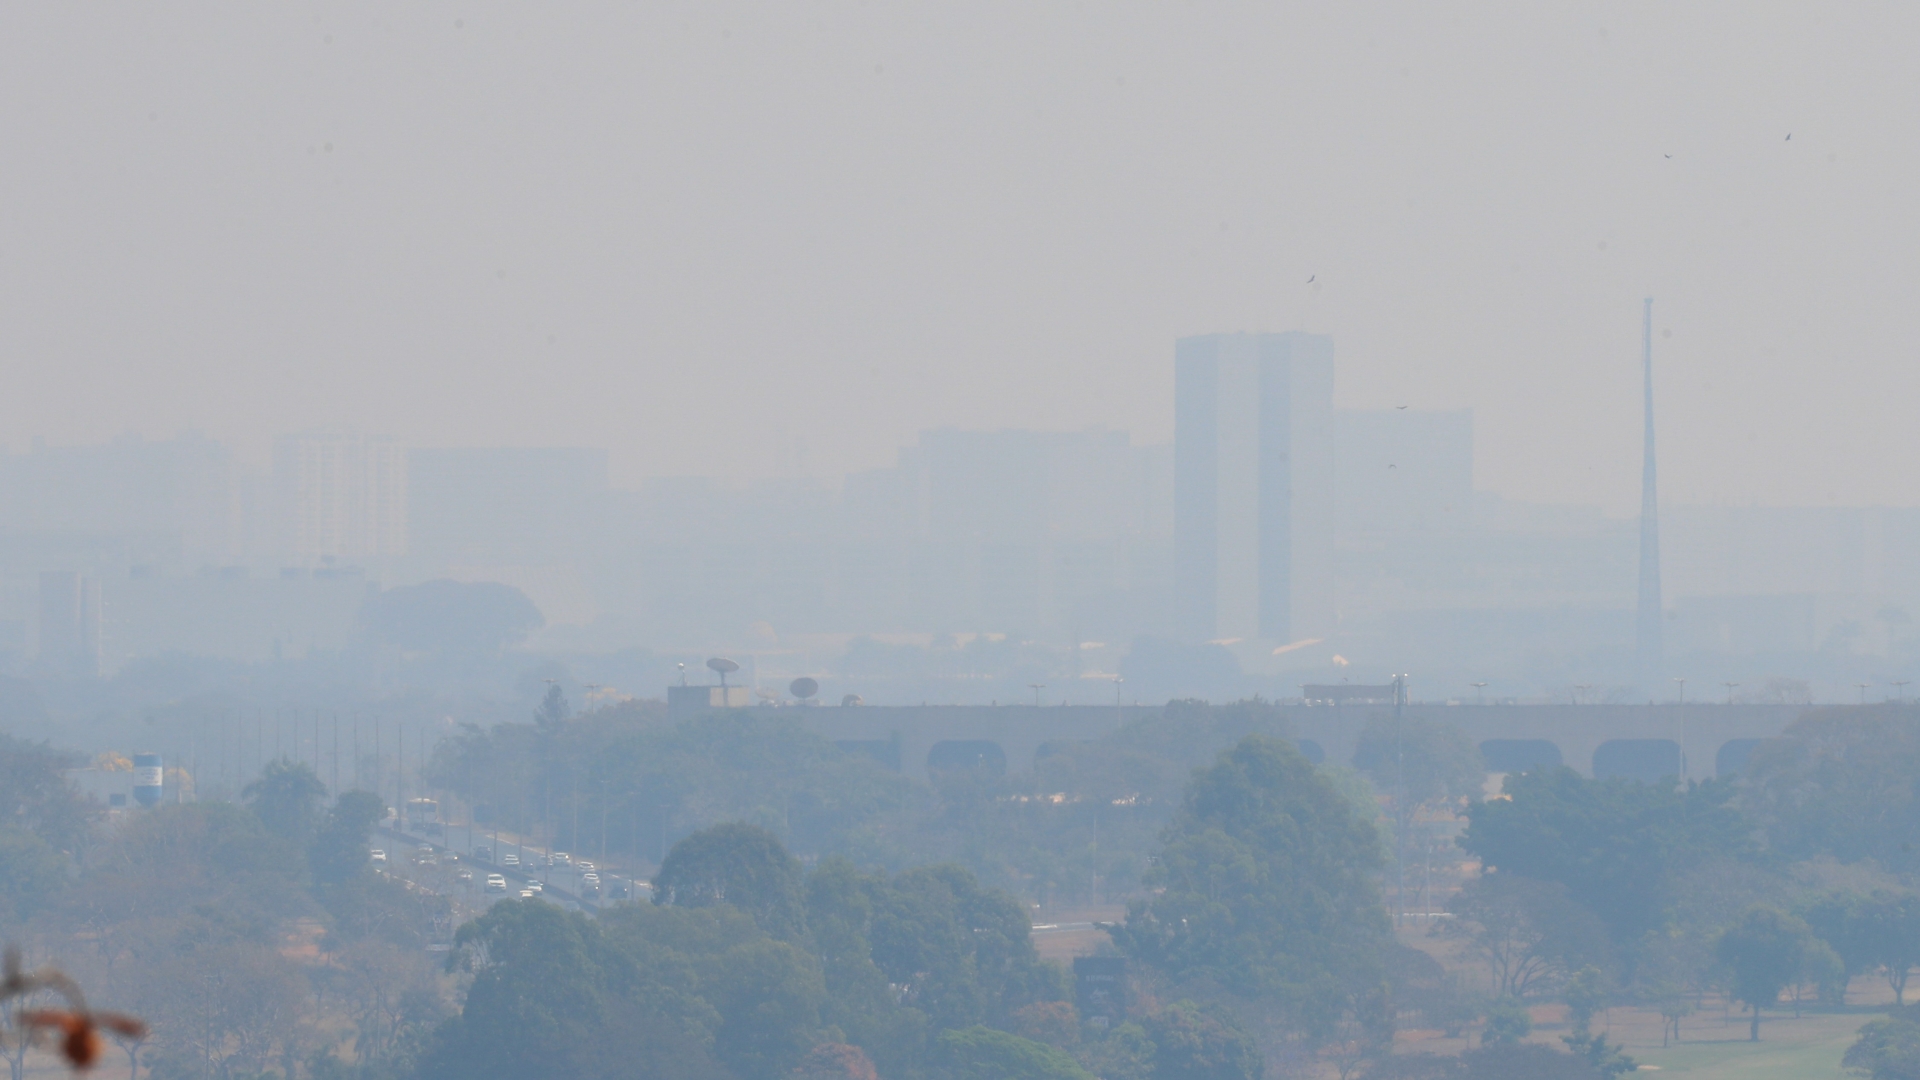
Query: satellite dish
(724, 667)
(803, 687)
(765, 694)
(851, 700)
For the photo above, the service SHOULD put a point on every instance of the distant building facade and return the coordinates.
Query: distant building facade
(341, 495)
(1254, 499)
(1009, 530)
(502, 505)
(69, 624)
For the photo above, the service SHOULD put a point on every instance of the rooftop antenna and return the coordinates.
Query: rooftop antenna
(723, 667)
(1647, 644)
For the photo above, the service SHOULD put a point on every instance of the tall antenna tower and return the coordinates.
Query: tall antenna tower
(1649, 651)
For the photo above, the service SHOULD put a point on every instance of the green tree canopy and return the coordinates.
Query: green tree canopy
(1532, 934)
(339, 848)
(1887, 1049)
(929, 949)
(33, 877)
(1616, 845)
(208, 856)
(648, 781)
(1268, 879)
(871, 961)
(554, 995)
(35, 798)
(982, 1053)
(1765, 952)
(738, 864)
(1839, 783)
(1417, 762)
(287, 799)
(1194, 1043)
(1877, 931)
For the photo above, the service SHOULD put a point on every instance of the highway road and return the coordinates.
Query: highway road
(561, 883)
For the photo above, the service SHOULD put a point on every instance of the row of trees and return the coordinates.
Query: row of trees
(1080, 826)
(250, 937)
(1263, 938)
(751, 968)
(1674, 891)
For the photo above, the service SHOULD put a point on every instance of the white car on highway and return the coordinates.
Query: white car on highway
(496, 883)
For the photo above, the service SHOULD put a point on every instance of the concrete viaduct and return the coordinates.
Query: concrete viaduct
(1621, 740)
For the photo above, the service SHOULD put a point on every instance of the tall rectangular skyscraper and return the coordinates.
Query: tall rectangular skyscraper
(1254, 486)
(341, 495)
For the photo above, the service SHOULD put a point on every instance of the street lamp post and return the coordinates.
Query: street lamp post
(1730, 686)
(1479, 693)
(1683, 689)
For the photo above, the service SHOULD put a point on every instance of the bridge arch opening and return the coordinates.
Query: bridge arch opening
(1054, 747)
(1733, 756)
(967, 755)
(1520, 755)
(1645, 760)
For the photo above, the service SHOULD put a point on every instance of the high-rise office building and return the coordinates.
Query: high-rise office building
(1254, 486)
(341, 495)
(69, 624)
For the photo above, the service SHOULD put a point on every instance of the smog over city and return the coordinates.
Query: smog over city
(840, 541)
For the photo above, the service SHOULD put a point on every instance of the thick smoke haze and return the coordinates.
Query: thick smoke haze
(760, 241)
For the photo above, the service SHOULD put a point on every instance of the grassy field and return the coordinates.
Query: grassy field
(1713, 1044)
(1716, 1048)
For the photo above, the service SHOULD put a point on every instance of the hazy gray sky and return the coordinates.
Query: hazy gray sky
(760, 239)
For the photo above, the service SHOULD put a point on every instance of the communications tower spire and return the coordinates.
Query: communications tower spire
(1649, 651)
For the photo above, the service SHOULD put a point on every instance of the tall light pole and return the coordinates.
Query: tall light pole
(1730, 686)
(1403, 817)
(1683, 690)
(1863, 691)
(1900, 689)
(1036, 687)
(1580, 689)
(1479, 693)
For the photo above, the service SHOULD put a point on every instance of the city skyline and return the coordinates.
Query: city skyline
(1472, 205)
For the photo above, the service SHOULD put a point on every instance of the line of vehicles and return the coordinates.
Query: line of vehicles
(591, 887)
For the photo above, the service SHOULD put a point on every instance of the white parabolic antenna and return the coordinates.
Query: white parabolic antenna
(724, 667)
